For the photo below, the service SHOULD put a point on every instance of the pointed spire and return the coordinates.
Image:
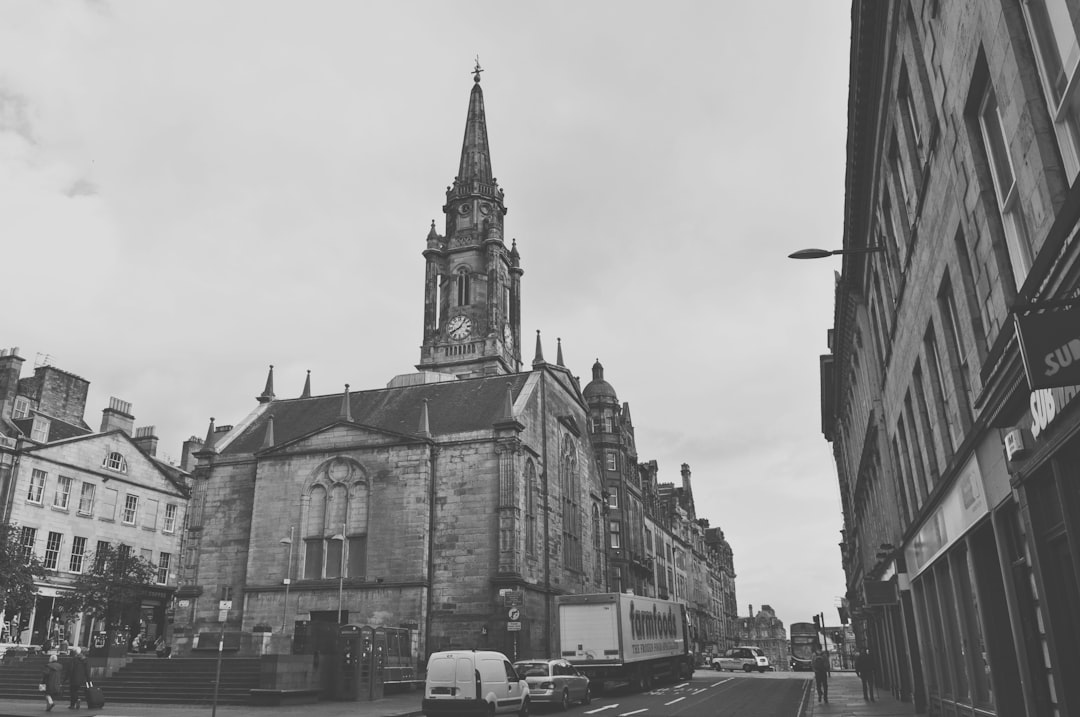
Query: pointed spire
(425, 426)
(208, 444)
(433, 234)
(307, 386)
(475, 163)
(508, 403)
(539, 357)
(268, 439)
(558, 355)
(268, 392)
(515, 257)
(346, 407)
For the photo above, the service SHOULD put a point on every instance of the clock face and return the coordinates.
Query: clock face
(464, 209)
(485, 208)
(459, 327)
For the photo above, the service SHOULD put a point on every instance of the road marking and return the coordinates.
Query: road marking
(685, 684)
(680, 699)
(717, 684)
(601, 709)
(698, 692)
(627, 714)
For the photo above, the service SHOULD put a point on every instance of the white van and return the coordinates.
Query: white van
(473, 682)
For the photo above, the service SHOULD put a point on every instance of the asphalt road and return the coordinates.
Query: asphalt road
(707, 694)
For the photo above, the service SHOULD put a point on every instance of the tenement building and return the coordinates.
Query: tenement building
(435, 502)
(948, 392)
(66, 489)
(765, 630)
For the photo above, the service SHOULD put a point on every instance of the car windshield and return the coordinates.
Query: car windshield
(531, 669)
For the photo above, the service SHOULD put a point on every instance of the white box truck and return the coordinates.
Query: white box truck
(617, 637)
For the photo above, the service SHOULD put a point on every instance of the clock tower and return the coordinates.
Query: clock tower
(472, 284)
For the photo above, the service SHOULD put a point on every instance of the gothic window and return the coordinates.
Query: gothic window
(336, 522)
(598, 544)
(571, 494)
(530, 507)
(464, 293)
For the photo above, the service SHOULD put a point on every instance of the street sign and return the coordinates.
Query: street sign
(513, 613)
(513, 626)
(224, 605)
(514, 598)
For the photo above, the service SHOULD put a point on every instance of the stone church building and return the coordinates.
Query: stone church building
(422, 503)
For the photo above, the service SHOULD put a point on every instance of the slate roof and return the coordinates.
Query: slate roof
(453, 407)
(59, 429)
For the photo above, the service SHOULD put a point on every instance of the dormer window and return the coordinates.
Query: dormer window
(115, 461)
(40, 431)
(21, 409)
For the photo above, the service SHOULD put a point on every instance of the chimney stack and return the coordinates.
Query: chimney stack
(187, 454)
(146, 440)
(10, 370)
(117, 417)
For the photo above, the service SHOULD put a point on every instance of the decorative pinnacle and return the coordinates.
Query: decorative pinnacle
(477, 70)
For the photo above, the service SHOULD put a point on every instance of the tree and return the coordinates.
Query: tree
(19, 568)
(112, 588)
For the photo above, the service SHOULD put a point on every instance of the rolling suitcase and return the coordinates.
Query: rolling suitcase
(94, 697)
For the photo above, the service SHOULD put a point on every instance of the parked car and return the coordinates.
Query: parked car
(555, 682)
(473, 682)
(746, 659)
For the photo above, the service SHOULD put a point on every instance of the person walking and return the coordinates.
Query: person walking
(820, 663)
(864, 668)
(78, 676)
(51, 677)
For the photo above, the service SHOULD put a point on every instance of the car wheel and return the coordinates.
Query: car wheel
(564, 703)
(747, 668)
(524, 711)
(588, 696)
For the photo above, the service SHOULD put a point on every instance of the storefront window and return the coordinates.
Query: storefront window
(978, 660)
(1048, 502)
(926, 640)
(937, 635)
(949, 615)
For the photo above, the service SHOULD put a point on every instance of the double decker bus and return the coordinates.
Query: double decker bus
(803, 637)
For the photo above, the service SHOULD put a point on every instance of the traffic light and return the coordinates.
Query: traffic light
(817, 623)
(837, 637)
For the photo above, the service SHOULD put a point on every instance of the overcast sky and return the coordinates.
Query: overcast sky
(192, 191)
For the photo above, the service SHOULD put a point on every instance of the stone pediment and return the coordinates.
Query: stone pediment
(109, 455)
(341, 435)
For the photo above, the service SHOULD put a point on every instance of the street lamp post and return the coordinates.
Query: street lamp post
(341, 571)
(288, 576)
(822, 253)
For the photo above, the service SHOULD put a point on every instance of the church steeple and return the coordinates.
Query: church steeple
(475, 155)
(472, 295)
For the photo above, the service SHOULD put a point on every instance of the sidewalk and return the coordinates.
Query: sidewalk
(397, 705)
(846, 700)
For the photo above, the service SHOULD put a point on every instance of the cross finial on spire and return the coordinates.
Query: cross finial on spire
(477, 70)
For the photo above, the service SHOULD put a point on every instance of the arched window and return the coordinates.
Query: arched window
(570, 484)
(336, 522)
(530, 507)
(464, 293)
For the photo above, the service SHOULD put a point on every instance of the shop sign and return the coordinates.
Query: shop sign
(880, 592)
(1050, 347)
(964, 504)
(1047, 404)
